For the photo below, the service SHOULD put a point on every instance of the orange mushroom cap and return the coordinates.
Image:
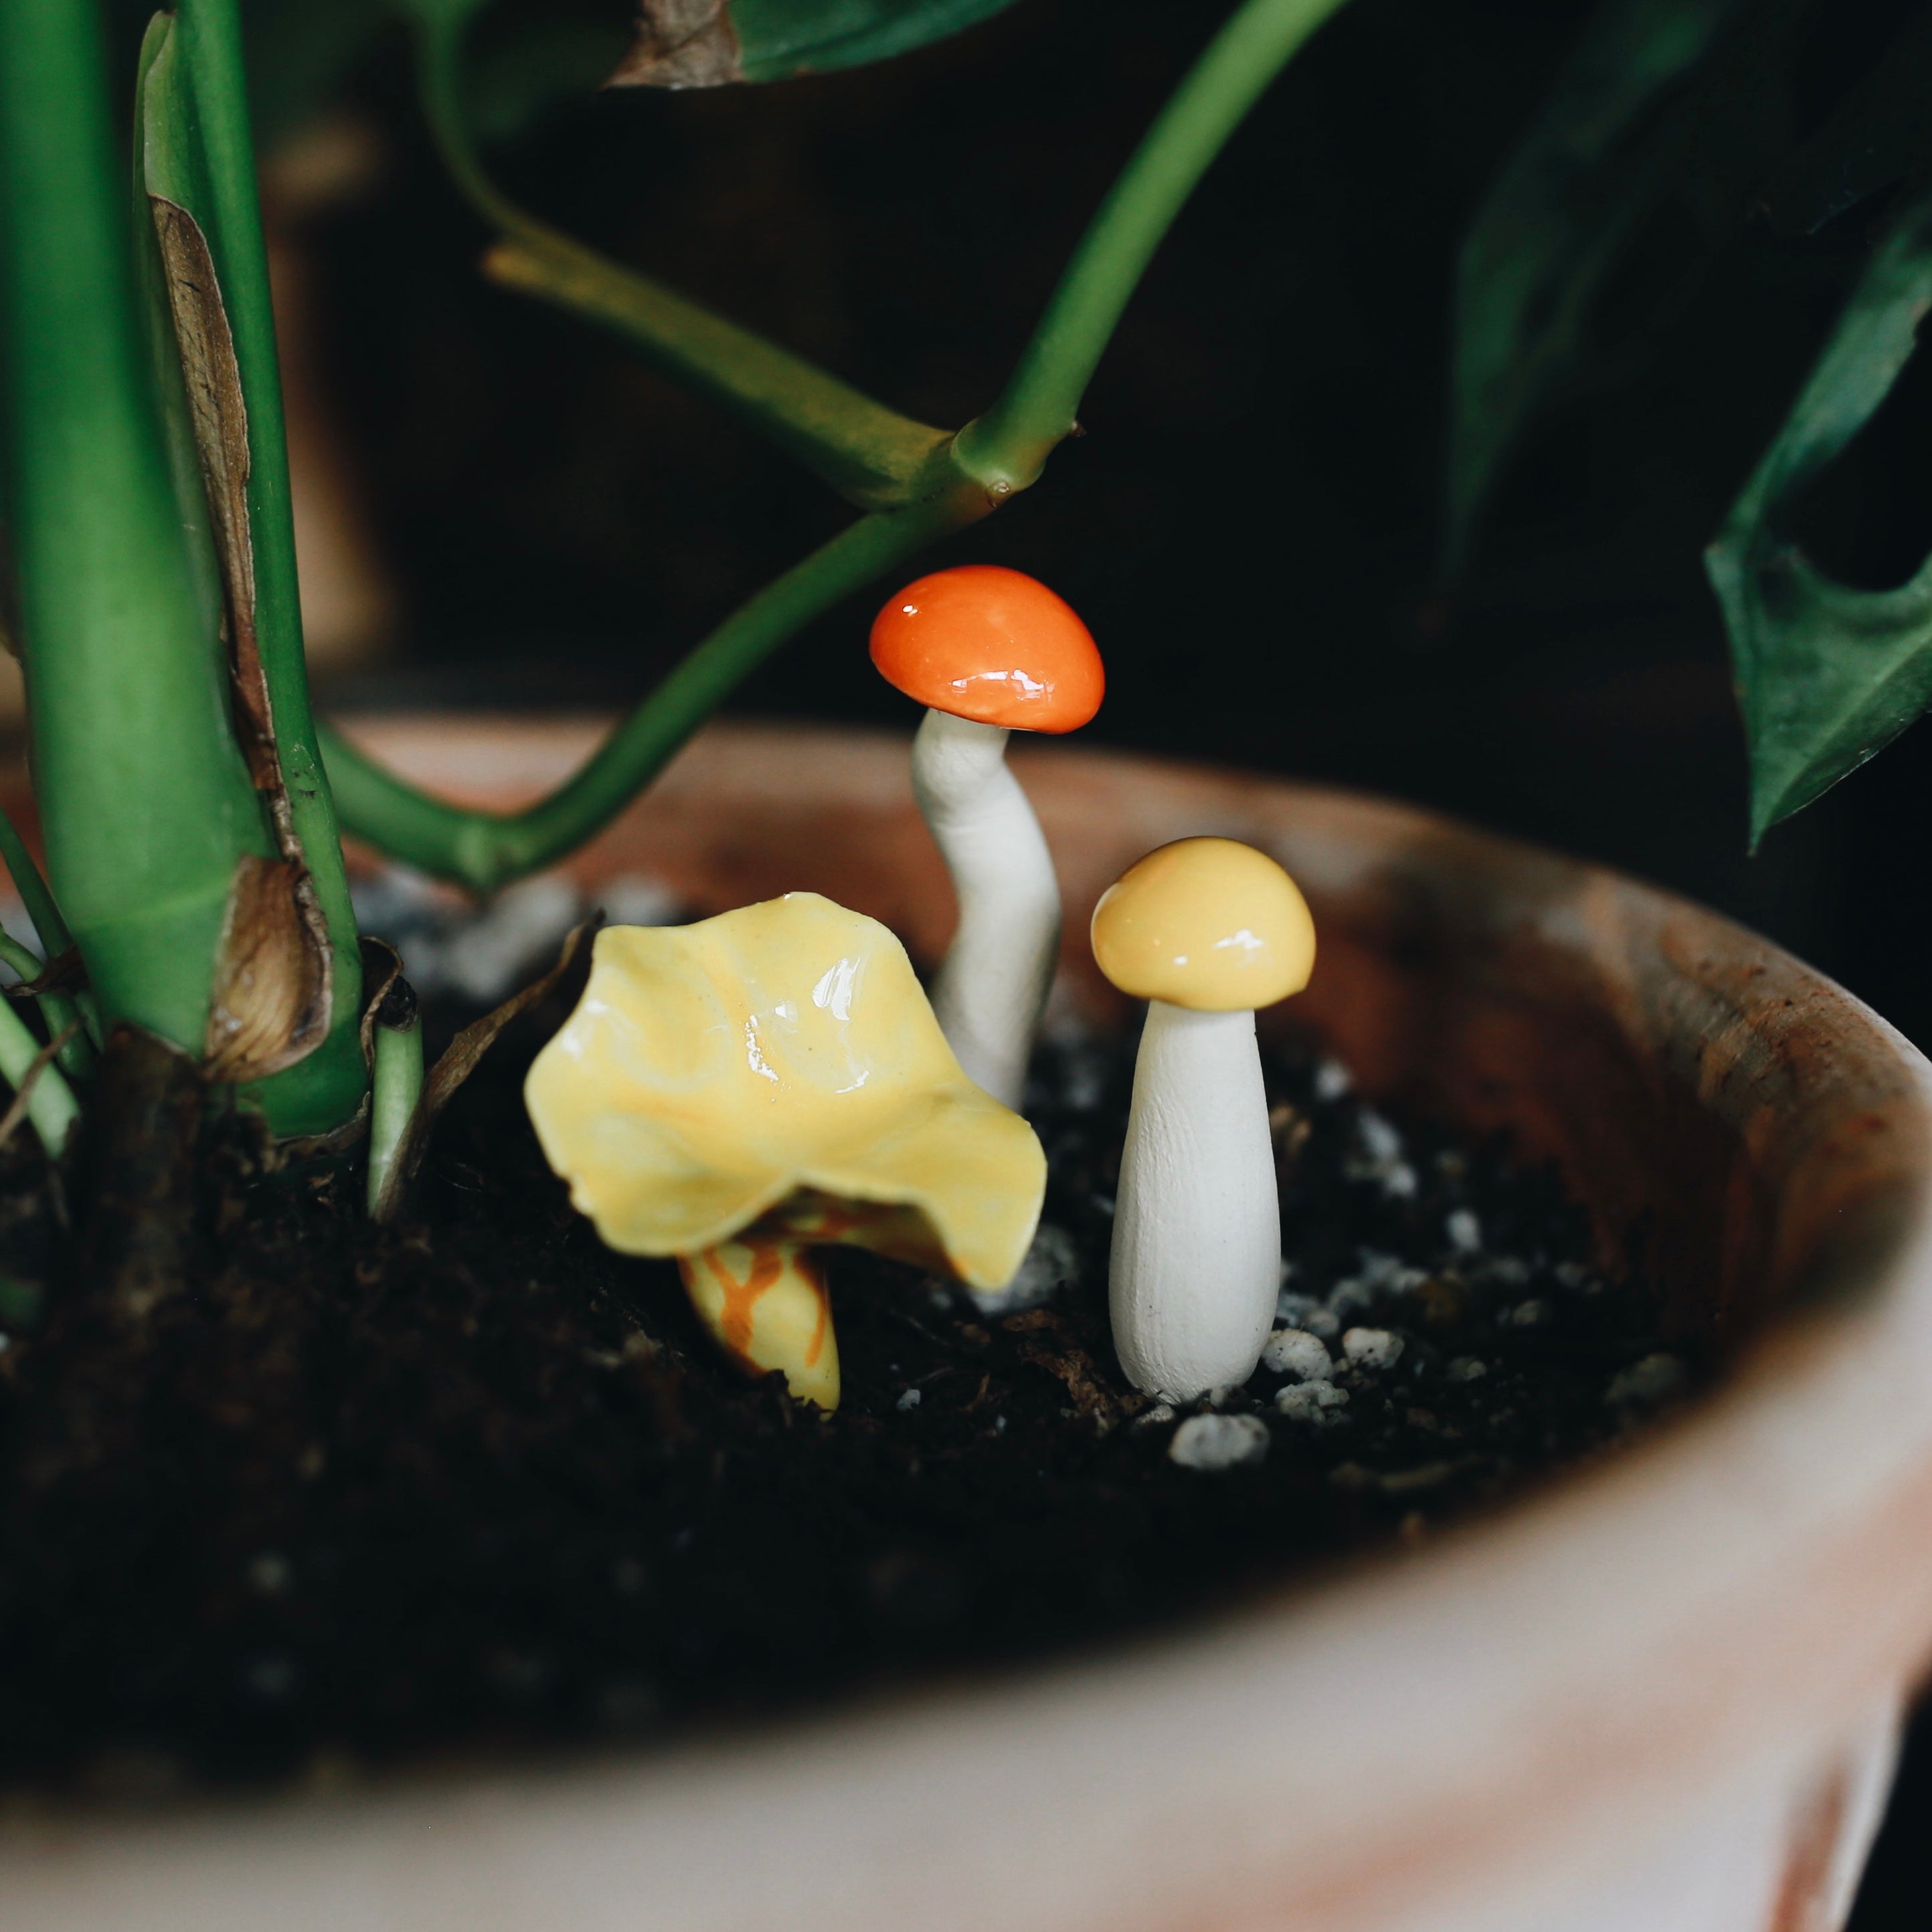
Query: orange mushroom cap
(986, 642)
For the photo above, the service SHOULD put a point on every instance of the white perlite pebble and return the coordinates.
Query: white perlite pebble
(1465, 1368)
(1162, 1411)
(1464, 1231)
(1531, 1314)
(910, 1399)
(1219, 1442)
(1372, 1347)
(1380, 1140)
(1318, 1402)
(1655, 1378)
(1332, 1080)
(1294, 1352)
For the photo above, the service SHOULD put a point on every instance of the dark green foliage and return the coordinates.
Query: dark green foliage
(1595, 161)
(1828, 674)
(1685, 100)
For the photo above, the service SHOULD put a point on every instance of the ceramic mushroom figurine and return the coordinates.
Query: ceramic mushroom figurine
(741, 1092)
(988, 651)
(1206, 930)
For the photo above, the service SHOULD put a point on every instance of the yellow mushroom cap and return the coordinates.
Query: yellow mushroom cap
(711, 1071)
(1207, 923)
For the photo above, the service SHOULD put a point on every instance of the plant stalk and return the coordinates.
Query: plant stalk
(871, 455)
(1037, 409)
(395, 1095)
(145, 803)
(324, 1089)
(487, 851)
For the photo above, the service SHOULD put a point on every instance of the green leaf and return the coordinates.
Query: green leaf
(1827, 674)
(1597, 157)
(710, 43)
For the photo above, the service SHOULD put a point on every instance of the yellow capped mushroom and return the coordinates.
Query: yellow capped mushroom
(1205, 923)
(736, 1092)
(1205, 930)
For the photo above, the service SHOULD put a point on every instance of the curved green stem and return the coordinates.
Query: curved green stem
(870, 454)
(485, 850)
(1037, 408)
(956, 481)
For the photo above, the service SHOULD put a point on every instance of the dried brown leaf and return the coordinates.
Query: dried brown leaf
(271, 975)
(459, 1060)
(274, 973)
(681, 43)
(382, 968)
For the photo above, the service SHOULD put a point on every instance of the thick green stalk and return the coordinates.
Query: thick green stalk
(485, 850)
(323, 1089)
(145, 803)
(1037, 408)
(869, 454)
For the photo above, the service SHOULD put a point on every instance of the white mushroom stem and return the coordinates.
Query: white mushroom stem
(1196, 1260)
(994, 981)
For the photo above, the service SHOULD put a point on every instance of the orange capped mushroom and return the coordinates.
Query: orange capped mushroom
(983, 642)
(989, 650)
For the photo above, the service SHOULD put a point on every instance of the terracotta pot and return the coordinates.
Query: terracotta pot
(1657, 1694)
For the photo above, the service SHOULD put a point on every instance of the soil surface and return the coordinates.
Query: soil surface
(360, 1495)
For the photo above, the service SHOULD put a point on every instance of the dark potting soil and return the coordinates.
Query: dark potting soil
(358, 1494)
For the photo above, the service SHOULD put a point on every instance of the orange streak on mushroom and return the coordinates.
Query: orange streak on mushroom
(742, 1297)
(816, 1346)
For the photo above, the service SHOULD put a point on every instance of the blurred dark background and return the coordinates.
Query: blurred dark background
(1250, 524)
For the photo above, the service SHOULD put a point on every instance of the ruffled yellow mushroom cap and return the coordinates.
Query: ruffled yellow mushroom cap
(1207, 923)
(711, 1071)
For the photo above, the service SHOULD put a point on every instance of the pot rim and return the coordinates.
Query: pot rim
(1601, 1650)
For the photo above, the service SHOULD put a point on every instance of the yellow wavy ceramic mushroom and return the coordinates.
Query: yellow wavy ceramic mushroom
(739, 1091)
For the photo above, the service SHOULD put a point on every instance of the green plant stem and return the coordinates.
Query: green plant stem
(870, 454)
(77, 1056)
(51, 1106)
(996, 454)
(486, 850)
(323, 1089)
(22, 958)
(1038, 407)
(54, 936)
(146, 805)
(397, 1087)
